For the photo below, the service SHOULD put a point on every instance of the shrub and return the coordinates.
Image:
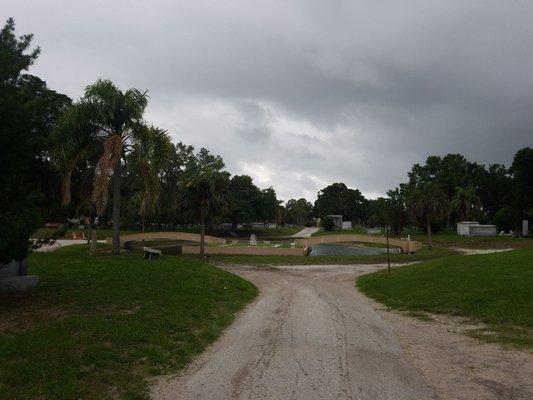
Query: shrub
(328, 224)
(506, 219)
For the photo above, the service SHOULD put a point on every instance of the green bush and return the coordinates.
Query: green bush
(506, 219)
(328, 224)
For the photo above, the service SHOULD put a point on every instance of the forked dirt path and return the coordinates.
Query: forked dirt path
(309, 335)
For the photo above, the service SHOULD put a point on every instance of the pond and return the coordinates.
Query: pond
(345, 249)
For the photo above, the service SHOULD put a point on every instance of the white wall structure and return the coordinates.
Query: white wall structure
(346, 225)
(471, 228)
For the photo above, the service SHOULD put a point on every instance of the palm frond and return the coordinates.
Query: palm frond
(111, 155)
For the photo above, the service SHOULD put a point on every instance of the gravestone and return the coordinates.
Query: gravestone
(253, 239)
(14, 277)
(525, 227)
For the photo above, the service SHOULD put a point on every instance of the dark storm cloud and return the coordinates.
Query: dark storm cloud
(301, 94)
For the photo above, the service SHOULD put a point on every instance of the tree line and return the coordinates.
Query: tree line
(98, 157)
(439, 193)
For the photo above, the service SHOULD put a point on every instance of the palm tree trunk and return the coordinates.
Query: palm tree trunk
(202, 232)
(430, 243)
(66, 193)
(116, 207)
(93, 240)
(90, 228)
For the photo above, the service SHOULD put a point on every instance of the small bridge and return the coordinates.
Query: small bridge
(407, 246)
(179, 236)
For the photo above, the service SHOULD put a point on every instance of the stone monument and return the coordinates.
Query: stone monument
(253, 239)
(14, 277)
(525, 227)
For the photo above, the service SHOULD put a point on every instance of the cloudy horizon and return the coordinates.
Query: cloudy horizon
(302, 94)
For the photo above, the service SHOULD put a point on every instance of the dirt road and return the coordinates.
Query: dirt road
(309, 335)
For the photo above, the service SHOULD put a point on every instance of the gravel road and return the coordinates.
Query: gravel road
(309, 335)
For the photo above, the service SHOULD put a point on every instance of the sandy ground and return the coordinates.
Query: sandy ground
(312, 335)
(473, 252)
(459, 367)
(309, 335)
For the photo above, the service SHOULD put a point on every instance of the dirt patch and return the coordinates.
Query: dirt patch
(457, 366)
(473, 252)
(26, 320)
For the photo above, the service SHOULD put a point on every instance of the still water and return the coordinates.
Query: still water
(345, 249)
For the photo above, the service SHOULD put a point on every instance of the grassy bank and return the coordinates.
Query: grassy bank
(99, 326)
(447, 239)
(493, 288)
(451, 239)
(324, 260)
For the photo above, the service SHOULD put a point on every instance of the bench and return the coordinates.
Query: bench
(151, 254)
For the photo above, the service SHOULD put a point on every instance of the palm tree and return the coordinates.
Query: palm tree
(73, 141)
(149, 157)
(464, 201)
(428, 203)
(206, 195)
(113, 118)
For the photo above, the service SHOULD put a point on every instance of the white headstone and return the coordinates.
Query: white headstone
(253, 239)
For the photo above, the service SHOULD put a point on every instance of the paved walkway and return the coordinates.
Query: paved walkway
(305, 232)
(310, 335)
(62, 243)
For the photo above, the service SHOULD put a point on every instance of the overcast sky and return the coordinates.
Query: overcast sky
(301, 94)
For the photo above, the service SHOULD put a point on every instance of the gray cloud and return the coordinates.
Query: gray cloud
(301, 94)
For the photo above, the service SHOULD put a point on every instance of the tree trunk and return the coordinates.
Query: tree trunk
(202, 232)
(66, 192)
(93, 240)
(90, 228)
(116, 208)
(430, 244)
(142, 224)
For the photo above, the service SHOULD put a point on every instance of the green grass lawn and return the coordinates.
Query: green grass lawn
(100, 326)
(492, 288)
(448, 239)
(324, 260)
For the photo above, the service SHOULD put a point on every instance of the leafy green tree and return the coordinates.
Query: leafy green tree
(206, 191)
(507, 219)
(465, 201)
(522, 170)
(298, 212)
(173, 184)
(28, 113)
(377, 212)
(268, 207)
(447, 173)
(244, 200)
(495, 189)
(428, 203)
(396, 208)
(338, 199)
